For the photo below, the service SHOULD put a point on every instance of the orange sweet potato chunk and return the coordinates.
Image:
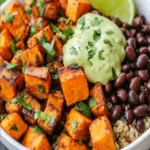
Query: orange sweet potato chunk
(100, 109)
(101, 134)
(74, 84)
(58, 46)
(14, 125)
(32, 57)
(76, 8)
(65, 142)
(81, 130)
(56, 99)
(1, 60)
(50, 111)
(63, 4)
(5, 42)
(38, 82)
(13, 108)
(10, 82)
(43, 23)
(35, 141)
(47, 31)
(21, 45)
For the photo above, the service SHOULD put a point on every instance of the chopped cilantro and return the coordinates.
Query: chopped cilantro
(97, 34)
(91, 53)
(9, 17)
(32, 3)
(74, 125)
(73, 51)
(41, 88)
(2, 116)
(38, 129)
(100, 55)
(39, 22)
(92, 102)
(11, 66)
(90, 44)
(33, 30)
(13, 48)
(24, 65)
(96, 21)
(81, 21)
(108, 42)
(80, 142)
(14, 127)
(114, 73)
(68, 21)
(15, 40)
(74, 66)
(28, 11)
(68, 32)
(54, 27)
(109, 32)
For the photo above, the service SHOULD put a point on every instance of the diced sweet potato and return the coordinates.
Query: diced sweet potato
(101, 134)
(6, 40)
(21, 45)
(56, 99)
(41, 24)
(100, 109)
(50, 11)
(14, 125)
(32, 57)
(47, 31)
(58, 46)
(51, 111)
(35, 141)
(74, 84)
(38, 82)
(1, 60)
(76, 8)
(10, 82)
(13, 107)
(55, 65)
(62, 25)
(63, 4)
(65, 142)
(77, 125)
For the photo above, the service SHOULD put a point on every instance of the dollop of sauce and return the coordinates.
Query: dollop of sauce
(98, 46)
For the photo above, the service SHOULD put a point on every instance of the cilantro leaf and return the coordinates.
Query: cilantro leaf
(28, 11)
(73, 51)
(100, 55)
(97, 34)
(33, 30)
(92, 102)
(74, 125)
(90, 44)
(81, 21)
(14, 127)
(32, 3)
(54, 28)
(9, 17)
(114, 73)
(24, 67)
(80, 142)
(74, 66)
(91, 53)
(68, 21)
(108, 42)
(15, 40)
(68, 32)
(96, 21)
(13, 48)
(38, 129)
(83, 108)
(41, 88)
(41, 7)
(39, 21)
(2, 116)
(11, 66)
(109, 32)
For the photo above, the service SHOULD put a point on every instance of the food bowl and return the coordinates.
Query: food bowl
(142, 143)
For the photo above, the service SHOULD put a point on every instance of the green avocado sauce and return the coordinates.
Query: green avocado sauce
(98, 46)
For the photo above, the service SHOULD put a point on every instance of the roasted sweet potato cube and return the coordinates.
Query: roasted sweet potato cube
(10, 82)
(58, 46)
(63, 4)
(41, 23)
(14, 125)
(50, 11)
(13, 107)
(65, 142)
(6, 40)
(100, 109)
(74, 84)
(21, 45)
(35, 140)
(101, 134)
(17, 59)
(38, 82)
(56, 99)
(77, 125)
(16, 6)
(32, 57)
(76, 8)
(47, 31)
(55, 65)
(1, 60)
(52, 112)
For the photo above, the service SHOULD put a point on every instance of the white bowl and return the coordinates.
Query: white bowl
(142, 143)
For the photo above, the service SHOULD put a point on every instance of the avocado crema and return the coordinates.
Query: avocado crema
(98, 46)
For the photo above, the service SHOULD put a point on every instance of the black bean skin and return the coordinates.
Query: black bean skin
(148, 99)
(116, 112)
(142, 61)
(133, 97)
(133, 32)
(146, 29)
(142, 74)
(130, 75)
(113, 99)
(130, 54)
(148, 85)
(142, 41)
(140, 126)
(135, 84)
(132, 42)
(142, 97)
(129, 116)
(140, 111)
(126, 68)
(148, 66)
(120, 80)
(142, 50)
(122, 94)
(137, 22)
(108, 88)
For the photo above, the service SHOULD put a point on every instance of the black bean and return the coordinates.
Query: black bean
(148, 50)
(126, 68)
(140, 126)
(142, 50)
(137, 22)
(132, 42)
(146, 29)
(142, 74)
(108, 87)
(140, 111)
(148, 110)
(116, 112)
(148, 39)
(120, 80)
(142, 97)
(135, 84)
(148, 85)
(139, 35)
(126, 25)
(130, 75)
(122, 94)
(142, 41)
(148, 99)
(148, 66)
(130, 54)
(132, 32)
(133, 97)
(133, 66)
(143, 19)
(117, 21)
(113, 99)
(129, 115)
(125, 32)
(141, 61)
